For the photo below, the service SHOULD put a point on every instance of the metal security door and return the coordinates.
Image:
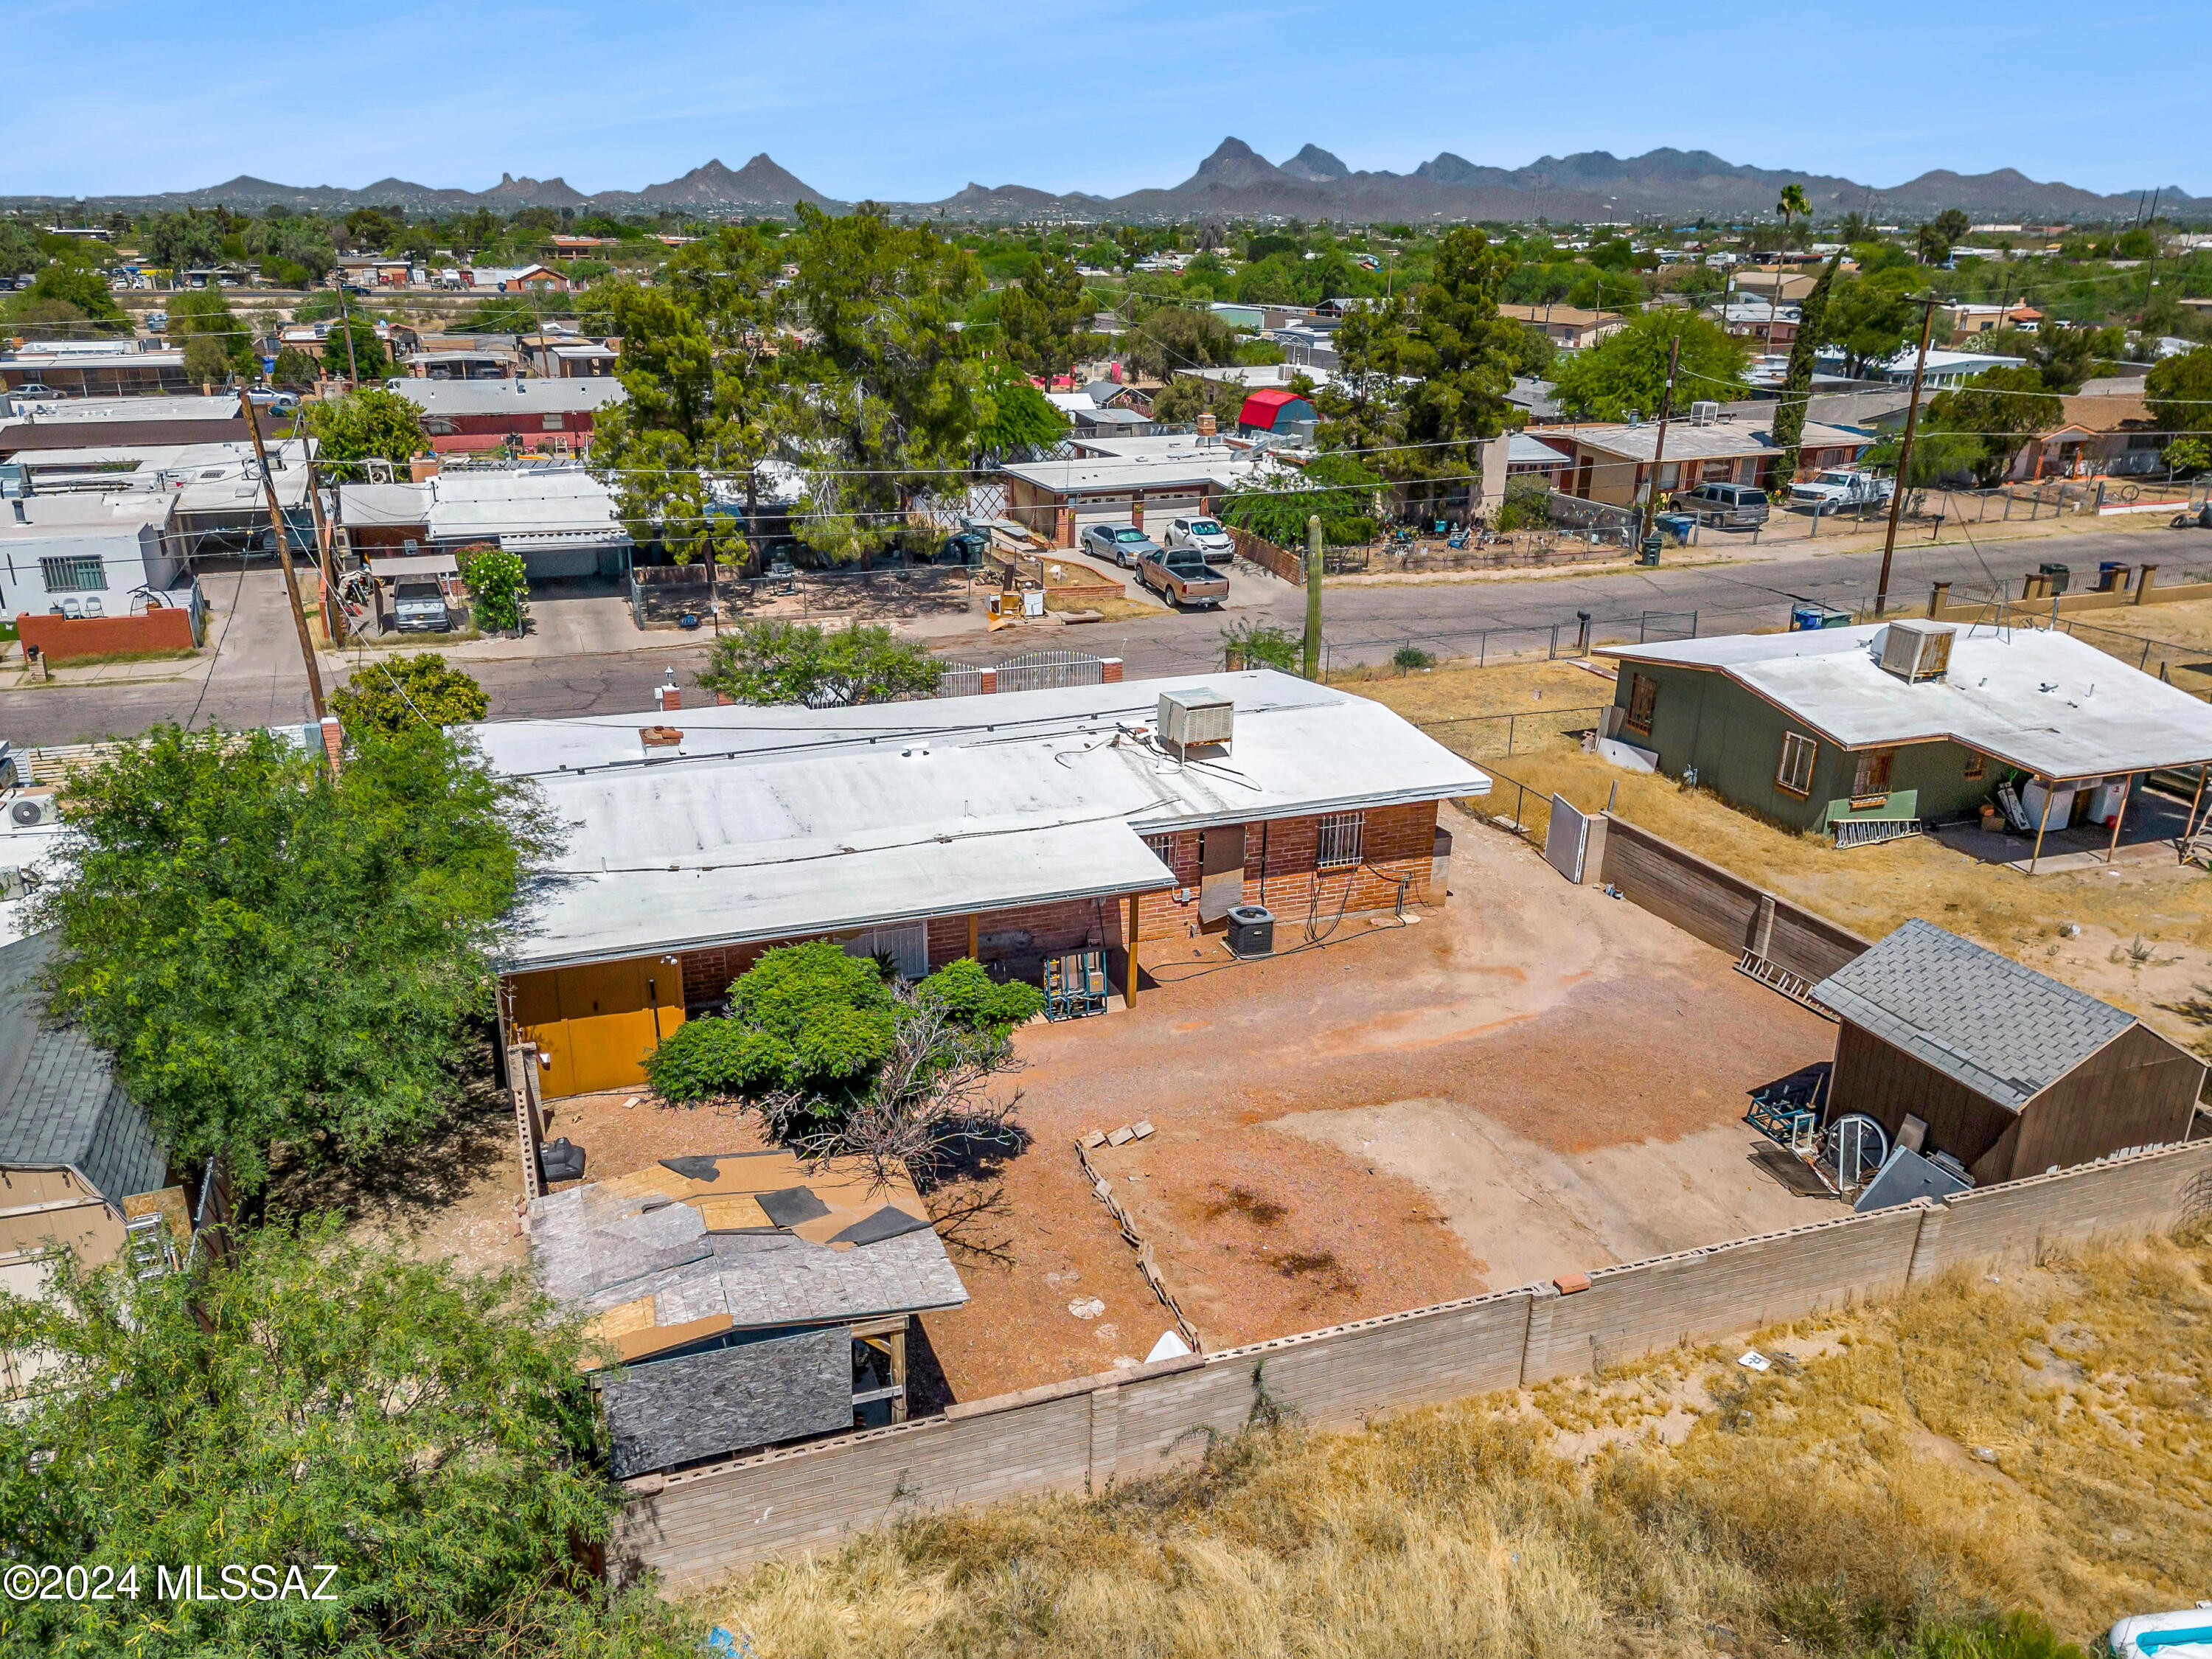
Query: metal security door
(1221, 871)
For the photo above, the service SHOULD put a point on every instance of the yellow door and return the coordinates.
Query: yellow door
(595, 1024)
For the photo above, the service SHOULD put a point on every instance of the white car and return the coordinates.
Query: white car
(1206, 535)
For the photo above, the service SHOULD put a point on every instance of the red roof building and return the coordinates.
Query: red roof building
(1273, 410)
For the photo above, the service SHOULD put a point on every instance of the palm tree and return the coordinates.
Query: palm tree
(1793, 206)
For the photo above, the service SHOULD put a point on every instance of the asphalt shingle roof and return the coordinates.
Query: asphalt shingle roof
(2002, 1030)
(60, 1105)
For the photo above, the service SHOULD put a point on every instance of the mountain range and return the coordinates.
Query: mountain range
(1236, 182)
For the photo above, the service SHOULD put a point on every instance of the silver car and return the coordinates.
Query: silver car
(1729, 506)
(1206, 535)
(1124, 543)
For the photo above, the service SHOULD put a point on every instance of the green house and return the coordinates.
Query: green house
(1902, 721)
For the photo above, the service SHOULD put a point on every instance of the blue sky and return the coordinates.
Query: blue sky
(909, 101)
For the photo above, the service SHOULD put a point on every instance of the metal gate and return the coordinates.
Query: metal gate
(1567, 839)
(1042, 670)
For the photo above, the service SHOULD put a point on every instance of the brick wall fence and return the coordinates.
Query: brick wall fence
(701, 1524)
(71, 639)
(1275, 561)
(1720, 907)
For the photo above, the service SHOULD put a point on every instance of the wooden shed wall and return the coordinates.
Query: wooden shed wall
(2136, 1090)
(1887, 1084)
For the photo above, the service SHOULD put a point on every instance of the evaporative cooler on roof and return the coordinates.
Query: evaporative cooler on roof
(1916, 650)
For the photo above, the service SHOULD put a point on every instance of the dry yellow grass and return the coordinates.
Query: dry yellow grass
(2036, 1438)
(1871, 890)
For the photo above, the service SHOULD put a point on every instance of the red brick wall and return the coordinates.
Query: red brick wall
(1396, 843)
(68, 639)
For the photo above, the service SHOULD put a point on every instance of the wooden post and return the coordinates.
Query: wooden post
(284, 554)
(975, 944)
(2189, 825)
(2041, 824)
(2119, 818)
(1129, 967)
(898, 1373)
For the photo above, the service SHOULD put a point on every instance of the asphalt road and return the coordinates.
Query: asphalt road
(255, 678)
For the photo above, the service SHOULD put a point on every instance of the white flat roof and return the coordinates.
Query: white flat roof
(2046, 702)
(120, 511)
(1720, 441)
(523, 501)
(567, 395)
(773, 822)
(78, 412)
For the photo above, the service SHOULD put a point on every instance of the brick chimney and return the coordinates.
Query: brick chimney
(667, 698)
(333, 743)
(1207, 426)
(420, 467)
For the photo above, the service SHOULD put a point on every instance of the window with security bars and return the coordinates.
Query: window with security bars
(1163, 847)
(75, 572)
(1337, 842)
(1796, 773)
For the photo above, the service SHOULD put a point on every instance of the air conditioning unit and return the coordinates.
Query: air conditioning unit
(33, 808)
(1194, 717)
(1705, 413)
(1916, 650)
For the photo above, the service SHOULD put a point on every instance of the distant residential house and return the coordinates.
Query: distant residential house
(534, 413)
(560, 520)
(1526, 454)
(373, 272)
(2109, 435)
(1343, 306)
(1944, 369)
(75, 422)
(560, 357)
(515, 279)
(1571, 327)
(1986, 320)
(95, 369)
(1759, 320)
(579, 247)
(1613, 463)
(1305, 346)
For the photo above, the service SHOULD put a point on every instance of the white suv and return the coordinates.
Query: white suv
(1206, 535)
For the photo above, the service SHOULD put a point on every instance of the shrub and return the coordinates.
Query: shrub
(708, 1059)
(499, 587)
(971, 996)
(1248, 644)
(1406, 658)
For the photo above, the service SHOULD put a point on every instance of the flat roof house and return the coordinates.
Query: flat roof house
(65, 553)
(1571, 326)
(464, 415)
(1904, 722)
(1613, 464)
(1005, 828)
(561, 520)
(1955, 1049)
(1165, 477)
(751, 1299)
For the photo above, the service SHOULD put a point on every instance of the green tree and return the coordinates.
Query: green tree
(82, 288)
(805, 1017)
(368, 424)
(19, 250)
(1174, 340)
(2179, 391)
(216, 342)
(274, 955)
(1868, 317)
(1793, 206)
(1185, 397)
(178, 242)
(295, 367)
(705, 362)
(891, 406)
(1996, 409)
(1012, 416)
(393, 694)
(2186, 457)
(1424, 380)
(366, 363)
(320, 1405)
(1628, 369)
(374, 227)
(1248, 644)
(781, 662)
(1797, 381)
(1044, 320)
(499, 587)
(1337, 488)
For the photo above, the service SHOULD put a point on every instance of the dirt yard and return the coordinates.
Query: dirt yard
(1533, 1079)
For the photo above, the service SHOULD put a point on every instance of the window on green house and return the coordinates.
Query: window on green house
(1975, 764)
(1643, 699)
(1794, 775)
(1873, 778)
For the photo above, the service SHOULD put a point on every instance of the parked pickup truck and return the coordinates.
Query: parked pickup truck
(1841, 489)
(1179, 574)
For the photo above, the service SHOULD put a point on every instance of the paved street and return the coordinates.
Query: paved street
(255, 678)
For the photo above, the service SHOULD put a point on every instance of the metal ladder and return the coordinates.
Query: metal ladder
(1775, 976)
(153, 1254)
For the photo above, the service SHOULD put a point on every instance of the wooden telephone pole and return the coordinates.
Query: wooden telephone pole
(1659, 444)
(1904, 451)
(284, 556)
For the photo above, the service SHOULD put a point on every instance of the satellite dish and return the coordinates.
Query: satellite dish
(1858, 1146)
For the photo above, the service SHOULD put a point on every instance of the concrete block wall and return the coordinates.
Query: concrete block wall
(701, 1524)
(1720, 907)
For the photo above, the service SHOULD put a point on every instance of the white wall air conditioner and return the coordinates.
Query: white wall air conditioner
(1195, 716)
(1705, 413)
(1916, 650)
(33, 808)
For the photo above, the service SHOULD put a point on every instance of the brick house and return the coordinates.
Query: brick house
(1010, 827)
(465, 416)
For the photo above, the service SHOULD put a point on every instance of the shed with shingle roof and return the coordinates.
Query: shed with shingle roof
(2010, 1072)
(73, 1146)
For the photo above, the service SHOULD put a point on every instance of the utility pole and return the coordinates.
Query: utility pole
(345, 316)
(1311, 655)
(1659, 445)
(1904, 451)
(333, 607)
(284, 556)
